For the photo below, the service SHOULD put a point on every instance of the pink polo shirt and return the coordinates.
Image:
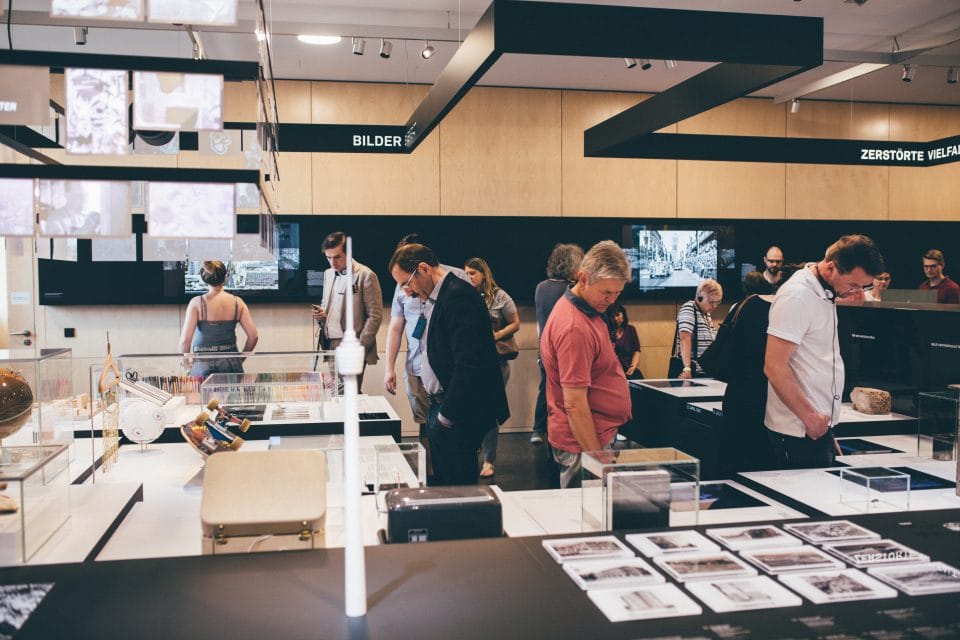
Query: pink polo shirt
(576, 351)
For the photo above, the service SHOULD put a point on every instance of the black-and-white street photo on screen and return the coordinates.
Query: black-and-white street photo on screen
(107, 9)
(175, 101)
(84, 208)
(665, 258)
(190, 210)
(194, 12)
(16, 207)
(96, 111)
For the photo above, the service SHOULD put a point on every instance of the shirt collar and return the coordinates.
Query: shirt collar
(436, 290)
(581, 304)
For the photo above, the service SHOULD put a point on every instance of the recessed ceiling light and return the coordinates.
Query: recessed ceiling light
(307, 39)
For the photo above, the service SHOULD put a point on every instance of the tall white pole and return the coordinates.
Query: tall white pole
(350, 356)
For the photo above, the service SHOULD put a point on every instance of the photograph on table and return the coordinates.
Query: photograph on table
(16, 207)
(831, 531)
(96, 111)
(870, 553)
(17, 603)
(566, 549)
(190, 210)
(643, 603)
(84, 208)
(838, 585)
(704, 566)
(612, 573)
(106, 9)
(753, 537)
(920, 579)
(785, 560)
(741, 594)
(193, 12)
(661, 542)
(177, 101)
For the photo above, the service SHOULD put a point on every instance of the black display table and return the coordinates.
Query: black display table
(484, 589)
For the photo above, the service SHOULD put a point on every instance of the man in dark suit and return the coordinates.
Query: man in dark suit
(460, 367)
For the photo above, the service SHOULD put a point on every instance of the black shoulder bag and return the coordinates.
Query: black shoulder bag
(717, 359)
(675, 368)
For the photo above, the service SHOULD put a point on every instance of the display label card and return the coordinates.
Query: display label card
(97, 111)
(24, 95)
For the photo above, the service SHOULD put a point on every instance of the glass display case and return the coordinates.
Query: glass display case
(869, 488)
(37, 402)
(34, 498)
(639, 488)
(937, 424)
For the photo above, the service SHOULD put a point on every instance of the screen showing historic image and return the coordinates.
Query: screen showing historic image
(107, 9)
(193, 12)
(174, 101)
(96, 111)
(190, 210)
(261, 273)
(84, 208)
(662, 258)
(16, 207)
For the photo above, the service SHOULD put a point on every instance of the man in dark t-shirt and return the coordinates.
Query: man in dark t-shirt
(948, 292)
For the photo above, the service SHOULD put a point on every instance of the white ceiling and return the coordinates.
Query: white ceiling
(851, 31)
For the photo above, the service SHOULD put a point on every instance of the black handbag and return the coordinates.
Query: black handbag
(716, 361)
(675, 366)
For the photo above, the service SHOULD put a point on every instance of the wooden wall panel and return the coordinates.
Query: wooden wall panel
(825, 192)
(294, 101)
(370, 183)
(733, 189)
(610, 186)
(500, 154)
(240, 101)
(845, 120)
(929, 193)
(296, 195)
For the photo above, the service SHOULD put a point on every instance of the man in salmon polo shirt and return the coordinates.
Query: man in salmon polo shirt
(587, 395)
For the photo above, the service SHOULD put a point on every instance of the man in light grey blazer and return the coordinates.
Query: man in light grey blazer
(367, 300)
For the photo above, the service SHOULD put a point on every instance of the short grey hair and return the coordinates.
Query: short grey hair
(564, 261)
(709, 288)
(605, 260)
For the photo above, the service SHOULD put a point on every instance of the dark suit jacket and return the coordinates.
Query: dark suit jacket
(462, 354)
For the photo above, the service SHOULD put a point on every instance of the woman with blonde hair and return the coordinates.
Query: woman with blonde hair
(504, 322)
(211, 321)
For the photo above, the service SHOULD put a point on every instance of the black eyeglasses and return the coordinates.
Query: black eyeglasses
(406, 285)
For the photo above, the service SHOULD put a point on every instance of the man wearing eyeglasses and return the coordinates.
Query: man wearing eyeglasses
(459, 365)
(773, 271)
(947, 290)
(802, 364)
(367, 301)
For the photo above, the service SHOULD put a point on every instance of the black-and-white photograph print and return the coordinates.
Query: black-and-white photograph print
(17, 602)
(106, 9)
(190, 210)
(16, 207)
(177, 101)
(96, 111)
(739, 594)
(703, 566)
(663, 258)
(84, 208)
(682, 541)
(920, 579)
(832, 531)
(868, 553)
(836, 586)
(614, 572)
(640, 603)
(753, 537)
(564, 549)
(194, 12)
(805, 558)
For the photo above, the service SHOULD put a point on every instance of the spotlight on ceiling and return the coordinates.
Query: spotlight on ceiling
(428, 51)
(908, 72)
(630, 62)
(315, 39)
(359, 44)
(670, 64)
(794, 106)
(952, 75)
(80, 35)
(645, 64)
(386, 48)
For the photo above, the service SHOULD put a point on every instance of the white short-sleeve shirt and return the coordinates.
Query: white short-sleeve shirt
(802, 314)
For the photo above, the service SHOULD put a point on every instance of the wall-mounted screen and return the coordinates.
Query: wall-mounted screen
(190, 210)
(16, 207)
(84, 208)
(175, 101)
(96, 111)
(106, 9)
(194, 12)
(668, 257)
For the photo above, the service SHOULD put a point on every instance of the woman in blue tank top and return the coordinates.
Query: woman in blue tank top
(211, 322)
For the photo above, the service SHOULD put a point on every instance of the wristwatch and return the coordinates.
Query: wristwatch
(687, 370)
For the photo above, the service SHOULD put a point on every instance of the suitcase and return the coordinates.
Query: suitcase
(264, 501)
(443, 513)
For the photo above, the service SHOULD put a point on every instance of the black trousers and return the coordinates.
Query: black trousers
(454, 449)
(803, 453)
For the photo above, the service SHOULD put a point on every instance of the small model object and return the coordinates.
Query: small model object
(873, 402)
(8, 504)
(16, 402)
(210, 435)
(141, 421)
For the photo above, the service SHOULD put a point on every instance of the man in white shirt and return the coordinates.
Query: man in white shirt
(803, 364)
